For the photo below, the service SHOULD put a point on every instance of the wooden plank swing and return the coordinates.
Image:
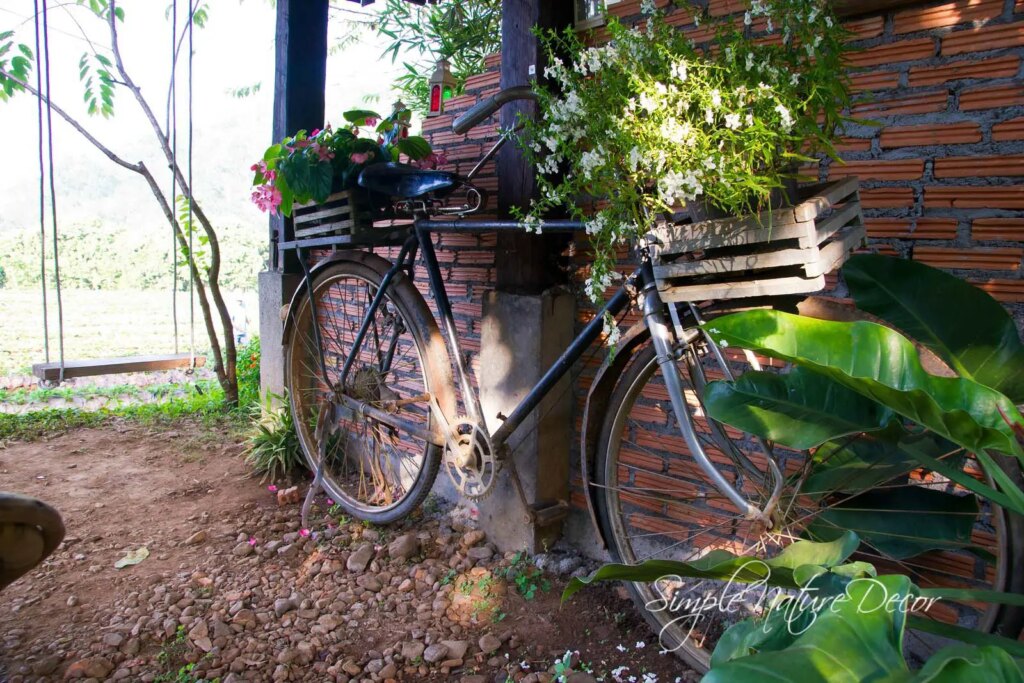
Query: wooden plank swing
(52, 373)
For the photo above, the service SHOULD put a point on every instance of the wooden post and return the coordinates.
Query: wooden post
(300, 77)
(526, 264)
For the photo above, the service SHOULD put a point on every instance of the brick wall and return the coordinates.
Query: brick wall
(938, 143)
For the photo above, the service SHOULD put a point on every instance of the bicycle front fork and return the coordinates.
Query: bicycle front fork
(667, 353)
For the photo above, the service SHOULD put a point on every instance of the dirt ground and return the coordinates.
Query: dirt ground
(125, 486)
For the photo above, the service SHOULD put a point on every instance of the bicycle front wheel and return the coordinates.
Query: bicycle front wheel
(654, 502)
(376, 471)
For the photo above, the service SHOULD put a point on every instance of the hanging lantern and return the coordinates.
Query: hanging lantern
(442, 88)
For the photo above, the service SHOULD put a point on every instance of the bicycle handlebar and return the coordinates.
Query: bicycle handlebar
(485, 108)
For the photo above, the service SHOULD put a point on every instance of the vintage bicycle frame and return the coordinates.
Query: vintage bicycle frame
(640, 284)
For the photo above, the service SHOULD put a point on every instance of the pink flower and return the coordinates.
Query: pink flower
(316, 131)
(252, 540)
(360, 157)
(324, 153)
(272, 488)
(432, 160)
(303, 532)
(267, 198)
(371, 121)
(330, 502)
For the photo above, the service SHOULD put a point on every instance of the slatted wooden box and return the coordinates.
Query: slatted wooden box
(785, 251)
(348, 213)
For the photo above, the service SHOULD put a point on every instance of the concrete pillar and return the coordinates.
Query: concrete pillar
(275, 290)
(521, 336)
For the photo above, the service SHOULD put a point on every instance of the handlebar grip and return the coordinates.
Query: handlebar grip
(485, 108)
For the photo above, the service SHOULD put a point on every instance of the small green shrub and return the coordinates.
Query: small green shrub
(274, 448)
(247, 367)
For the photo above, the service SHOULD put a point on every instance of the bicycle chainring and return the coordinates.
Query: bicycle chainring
(469, 460)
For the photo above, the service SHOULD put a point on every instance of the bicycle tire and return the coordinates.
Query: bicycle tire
(608, 477)
(427, 372)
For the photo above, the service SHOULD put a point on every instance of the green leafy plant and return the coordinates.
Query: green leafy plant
(249, 374)
(526, 577)
(462, 31)
(308, 167)
(649, 121)
(274, 448)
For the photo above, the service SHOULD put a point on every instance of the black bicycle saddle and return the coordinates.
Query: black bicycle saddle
(404, 181)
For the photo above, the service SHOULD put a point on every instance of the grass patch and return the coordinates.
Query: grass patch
(24, 396)
(208, 405)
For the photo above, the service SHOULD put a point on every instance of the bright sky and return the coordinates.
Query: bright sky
(235, 50)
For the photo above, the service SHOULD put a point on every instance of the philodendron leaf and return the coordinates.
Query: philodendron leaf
(856, 464)
(883, 365)
(723, 565)
(963, 325)
(966, 663)
(801, 409)
(855, 639)
(901, 522)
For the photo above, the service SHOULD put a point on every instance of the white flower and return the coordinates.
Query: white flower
(620, 647)
(749, 118)
(732, 121)
(771, 26)
(709, 116)
(828, 22)
(747, 19)
(590, 160)
(679, 70)
(794, 78)
(648, 7)
(724, 344)
(648, 102)
(597, 225)
(640, 644)
(524, 665)
(750, 61)
(533, 223)
(611, 331)
(650, 677)
(784, 115)
(716, 98)
(635, 157)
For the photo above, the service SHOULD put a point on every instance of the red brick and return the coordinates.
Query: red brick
(976, 166)
(922, 228)
(1018, 7)
(1009, 130)
(949, 14)
(965, 197)
(872, 169)
(1009, 229)
(971, 259)
(886, 197)
(992, 98)
(985, 38)
(1008, 291)
(719, 8)
(910, 104)
(903, 51)
(874, 80)
(862, 29)
(483, 80)
(849, 144)
(997, 67)
(912, 136)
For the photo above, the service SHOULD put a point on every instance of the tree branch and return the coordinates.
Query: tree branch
(137, 168)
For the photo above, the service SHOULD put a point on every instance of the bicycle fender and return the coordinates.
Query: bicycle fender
(596, 407)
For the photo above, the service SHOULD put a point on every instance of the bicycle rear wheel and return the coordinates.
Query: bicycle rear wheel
(374, 470)
(654, 502)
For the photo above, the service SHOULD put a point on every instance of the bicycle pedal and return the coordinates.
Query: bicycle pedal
(547, 512)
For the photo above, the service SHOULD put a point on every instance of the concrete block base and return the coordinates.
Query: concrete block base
(521, 336)
(275, 290)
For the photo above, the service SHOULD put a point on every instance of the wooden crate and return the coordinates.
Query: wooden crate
(344, 214)
(785, 251)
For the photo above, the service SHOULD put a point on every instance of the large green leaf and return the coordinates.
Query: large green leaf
(901, 522)
(855, 464)
(880, 364)
(965, 663)
(807, 559)
(801, 409)
(965, 326)
(854, 640)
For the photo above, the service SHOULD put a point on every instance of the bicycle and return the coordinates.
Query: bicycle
(375, 402)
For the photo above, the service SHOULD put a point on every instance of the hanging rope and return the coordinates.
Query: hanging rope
(53, 191)
(42, 188)
(191, 254)
(173, 125)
